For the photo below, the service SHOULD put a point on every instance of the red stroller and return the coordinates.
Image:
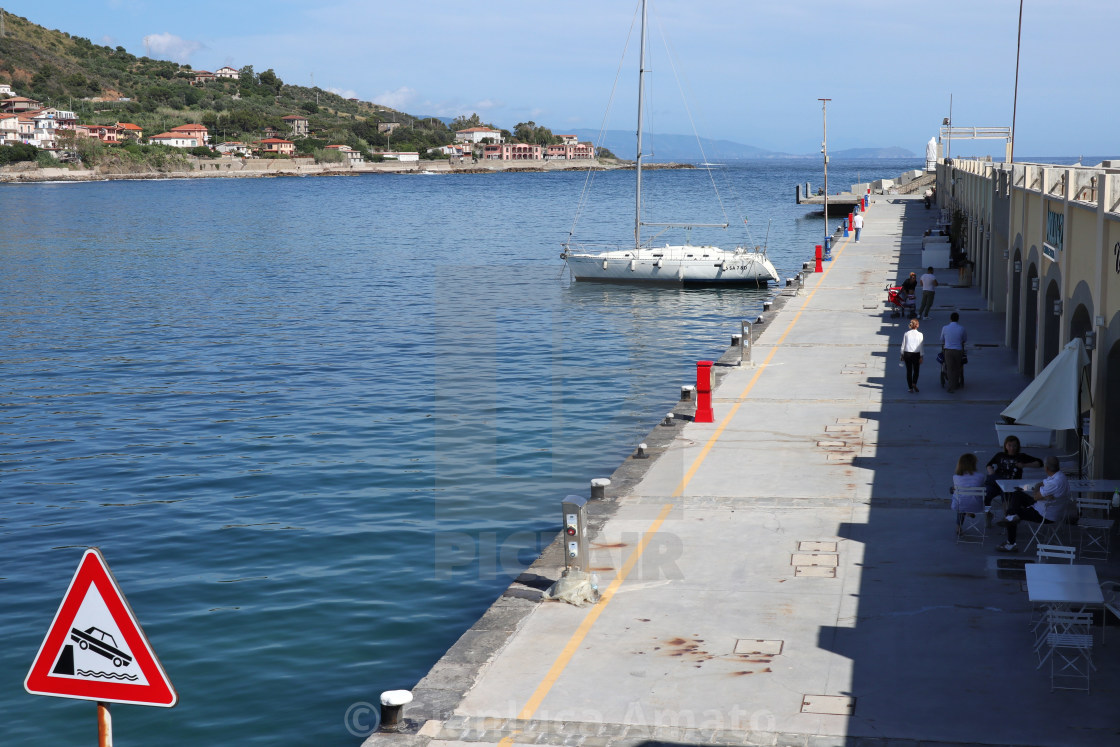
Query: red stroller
(900, 304)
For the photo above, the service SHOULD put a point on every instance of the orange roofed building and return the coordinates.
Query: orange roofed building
(130, 130)
(197, 131)
(277, 146)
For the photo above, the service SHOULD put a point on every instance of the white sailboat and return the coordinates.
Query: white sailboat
(670, 263)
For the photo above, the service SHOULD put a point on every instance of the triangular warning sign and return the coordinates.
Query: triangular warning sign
(95, 649)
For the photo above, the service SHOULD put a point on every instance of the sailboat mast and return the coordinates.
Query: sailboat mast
(641, 87)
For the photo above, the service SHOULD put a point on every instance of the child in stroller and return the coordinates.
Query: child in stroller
(900, 302)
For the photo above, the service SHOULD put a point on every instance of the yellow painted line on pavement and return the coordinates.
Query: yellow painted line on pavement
(585, 627)
(754, 379)
(565, 656)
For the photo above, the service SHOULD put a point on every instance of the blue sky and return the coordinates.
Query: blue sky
(752, 71)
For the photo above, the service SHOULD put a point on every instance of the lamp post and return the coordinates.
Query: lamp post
(1015, 99)
(824, 153)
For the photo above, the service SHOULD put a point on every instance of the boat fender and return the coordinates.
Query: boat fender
(633, 265)
(659, 263)
(604, 264)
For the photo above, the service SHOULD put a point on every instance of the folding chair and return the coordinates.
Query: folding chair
(1110, 590)
(972, 525)
(1068, 645)
(1056, 552)
(1096, 530)
(1050, 533)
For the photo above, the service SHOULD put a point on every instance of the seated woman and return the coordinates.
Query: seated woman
(1007, 465)
(966, 476)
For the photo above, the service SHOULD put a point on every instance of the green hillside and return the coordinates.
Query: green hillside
(104, 85)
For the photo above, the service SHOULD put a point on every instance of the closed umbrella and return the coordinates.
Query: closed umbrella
(1058, 395)
(1053, 399)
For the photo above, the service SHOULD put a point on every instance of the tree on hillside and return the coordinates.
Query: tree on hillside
(530, 132)
(464, 123)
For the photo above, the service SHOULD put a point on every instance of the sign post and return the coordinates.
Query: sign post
(96, 650)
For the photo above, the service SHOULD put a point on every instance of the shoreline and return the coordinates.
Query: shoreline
(257, 169)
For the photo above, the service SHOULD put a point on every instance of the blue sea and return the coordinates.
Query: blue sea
(316, 425)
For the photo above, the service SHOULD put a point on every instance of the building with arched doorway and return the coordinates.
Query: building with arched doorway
(1044, 244)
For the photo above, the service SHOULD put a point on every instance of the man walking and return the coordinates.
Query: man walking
(953, 338)
(929, 285)
(857, 223)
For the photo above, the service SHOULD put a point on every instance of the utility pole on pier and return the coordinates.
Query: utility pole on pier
(824, 152)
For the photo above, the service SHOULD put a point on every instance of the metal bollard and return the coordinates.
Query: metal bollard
(747, 342)
(392, 701)
(735, 340)
(668, 419)
(686, 392)
(641, 452)
(599, 488)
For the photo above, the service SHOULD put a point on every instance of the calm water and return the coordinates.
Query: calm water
(317, 425)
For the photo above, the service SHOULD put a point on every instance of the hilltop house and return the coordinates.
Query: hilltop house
(175, 140)
(17, 104)
(227, 72)
(9, 128)
(388, 127)
(478, 134)
(131, 131)
(297, 123)
(276, 146)
(350, 156)
(196, 131)
(202, 76)
(105, 133)
(5, 89)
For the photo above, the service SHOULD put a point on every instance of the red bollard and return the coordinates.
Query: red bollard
(850, 222)
(704, 412)
(820, 253)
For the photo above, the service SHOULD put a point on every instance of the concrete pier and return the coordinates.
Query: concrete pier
(788, 575)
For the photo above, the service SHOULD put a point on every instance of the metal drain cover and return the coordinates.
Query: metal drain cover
(834, 705)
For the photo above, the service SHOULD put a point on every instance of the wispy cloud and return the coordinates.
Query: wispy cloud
(170, 47)
(345, 93)
(400, 99)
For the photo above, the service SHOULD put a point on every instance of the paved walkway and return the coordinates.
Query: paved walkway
(788, 574)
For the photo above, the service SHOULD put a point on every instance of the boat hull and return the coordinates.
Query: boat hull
(690, 266)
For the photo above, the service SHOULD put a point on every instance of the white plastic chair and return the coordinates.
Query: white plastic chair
(1096, 530)
(972, 525)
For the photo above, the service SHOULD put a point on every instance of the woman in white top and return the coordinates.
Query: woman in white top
(912, 354)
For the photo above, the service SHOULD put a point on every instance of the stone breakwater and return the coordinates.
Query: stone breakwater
(253, 168)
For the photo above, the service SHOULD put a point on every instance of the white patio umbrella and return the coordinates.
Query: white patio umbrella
(1053, 400)
(1057, 396)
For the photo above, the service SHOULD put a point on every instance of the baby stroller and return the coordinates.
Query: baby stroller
(899, 303)
(945, 374)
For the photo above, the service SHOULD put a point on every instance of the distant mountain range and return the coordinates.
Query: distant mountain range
(685, 148)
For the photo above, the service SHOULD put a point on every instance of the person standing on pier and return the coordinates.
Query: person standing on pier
(929, 287)
(857, 223)
(912, 354)
(953, 338)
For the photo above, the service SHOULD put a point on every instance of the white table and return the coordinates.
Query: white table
(1094, 486)
(1008, 486)
(1068, 586)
